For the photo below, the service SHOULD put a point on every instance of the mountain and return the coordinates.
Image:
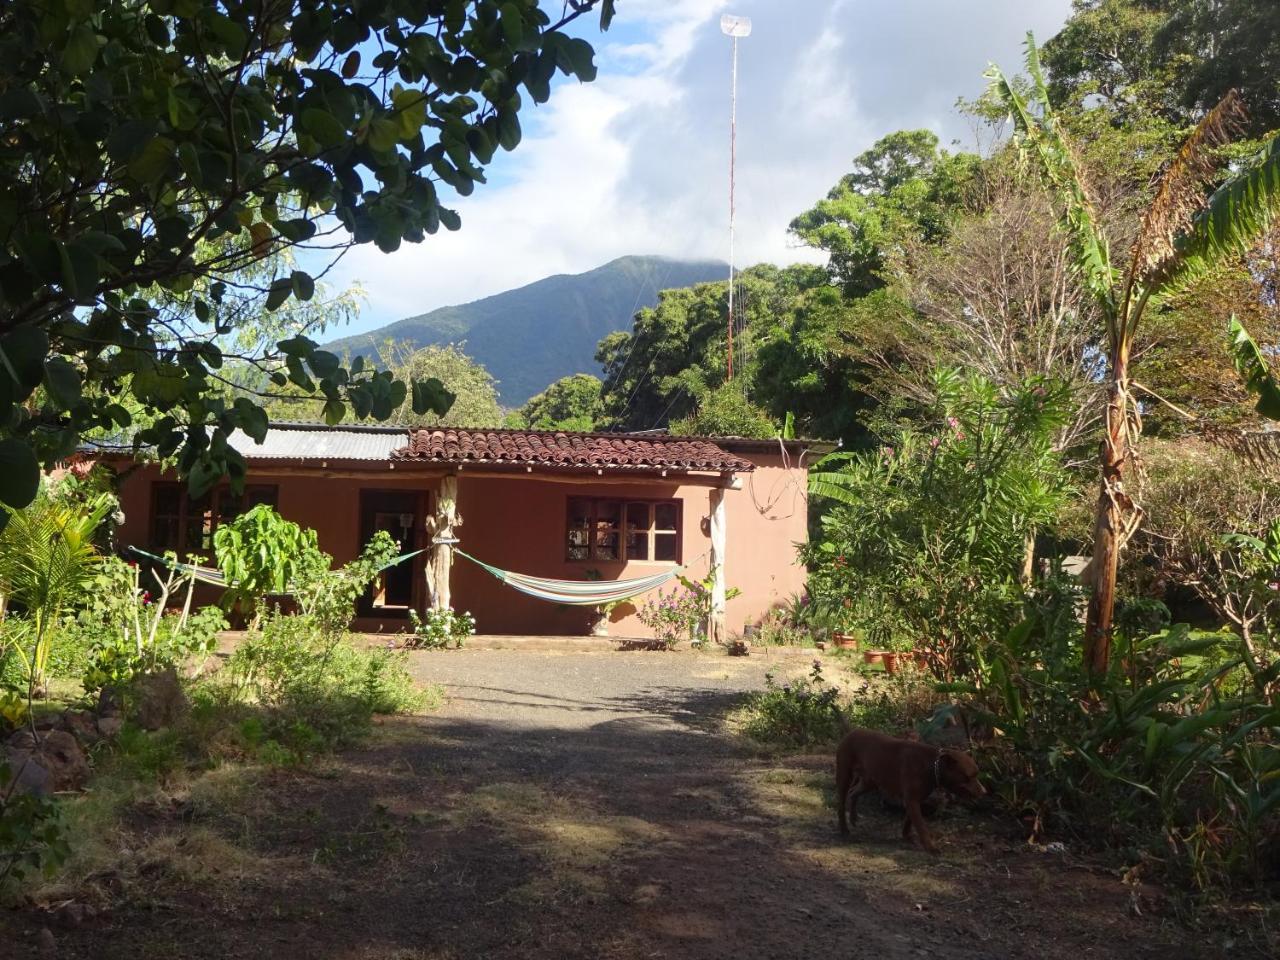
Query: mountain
(534, 335)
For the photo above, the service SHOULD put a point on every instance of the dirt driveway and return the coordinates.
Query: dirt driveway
(595, 806)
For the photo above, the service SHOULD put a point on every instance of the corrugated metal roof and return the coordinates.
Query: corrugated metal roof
(319, 442)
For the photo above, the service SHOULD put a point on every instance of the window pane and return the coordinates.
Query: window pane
(639, 519)
(579, 534)
(666, 516)
(168, 499)
(199, 527)
(608, 515)
(253, 496)
(666, 546)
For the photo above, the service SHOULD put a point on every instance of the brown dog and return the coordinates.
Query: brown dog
(905, 771)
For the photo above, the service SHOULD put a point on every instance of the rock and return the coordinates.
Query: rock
(81, 725)
(161, 701)
(55, 750)
(46, 946)
(110, 725)
(29, 774)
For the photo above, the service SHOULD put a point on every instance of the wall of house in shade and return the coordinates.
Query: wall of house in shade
(519, 521)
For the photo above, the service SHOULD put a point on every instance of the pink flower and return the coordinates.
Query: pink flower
(934, 442)
(952, 422)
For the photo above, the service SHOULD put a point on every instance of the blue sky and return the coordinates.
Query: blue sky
(636, 162)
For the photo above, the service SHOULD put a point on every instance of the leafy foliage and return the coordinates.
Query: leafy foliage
(571, 403)
(47, 557)
(246, 128)
(441, 629)
(930, 535)
(262, 554)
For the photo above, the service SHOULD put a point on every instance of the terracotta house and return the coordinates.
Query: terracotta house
(568, 506)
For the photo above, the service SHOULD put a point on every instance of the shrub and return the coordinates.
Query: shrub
(1174, 753)
(928, 537)
(799, 713)
(441, 629)
(32, 839)
(312, 682)
(673, 616)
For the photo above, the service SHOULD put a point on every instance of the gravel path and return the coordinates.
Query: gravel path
(575, 691)
(592, 806)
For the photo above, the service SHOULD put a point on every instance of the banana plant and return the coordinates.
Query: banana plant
(1187, 230)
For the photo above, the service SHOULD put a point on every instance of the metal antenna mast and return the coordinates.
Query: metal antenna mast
(734, 27)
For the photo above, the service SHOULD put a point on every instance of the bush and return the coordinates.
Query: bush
(800, 713)
(673, 616)
(1172, 754)
(441, 629)
(928, 536)
(311, 682)
(32, 839)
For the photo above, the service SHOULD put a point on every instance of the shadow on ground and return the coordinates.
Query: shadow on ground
(649, 834)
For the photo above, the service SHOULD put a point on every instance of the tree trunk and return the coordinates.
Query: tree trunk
(716, 632)
(1109, 522)
(440, 527)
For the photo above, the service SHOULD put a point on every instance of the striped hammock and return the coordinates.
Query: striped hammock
(214, 576)
(581, 593)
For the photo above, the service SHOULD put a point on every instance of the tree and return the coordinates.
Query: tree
(475, 391)
(571, 403)
(154, 152)
(904, 186)
(726, 411)
(1186, 232)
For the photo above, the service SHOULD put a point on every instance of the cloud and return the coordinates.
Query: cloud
(637, 162)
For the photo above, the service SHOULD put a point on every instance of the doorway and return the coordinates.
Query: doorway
(399, 514)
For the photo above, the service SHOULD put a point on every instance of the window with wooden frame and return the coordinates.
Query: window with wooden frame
(601, 528)
(185, 524)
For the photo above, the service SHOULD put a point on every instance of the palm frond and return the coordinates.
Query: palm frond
(1252, 365)
(1235, 216)
(1056, 161)
(1182, 193)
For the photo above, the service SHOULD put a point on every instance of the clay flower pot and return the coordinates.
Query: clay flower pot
(874, 656)
(845, 641)
(893, 661)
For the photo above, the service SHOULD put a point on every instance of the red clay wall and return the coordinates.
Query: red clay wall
(517, 522)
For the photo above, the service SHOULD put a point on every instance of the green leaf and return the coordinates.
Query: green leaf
(430, 396)
(80, 267)
(607, 9)
(19, 474)
(351, 65)
(1252, 365)
(81, 51)
(62, 380)
(323, 126)
(22, 354)
(512, 24)
(323, 363)
(304, 287)
(151, 162)
(334, 411)
(279, 292)
(411, 110)
(1237, 214)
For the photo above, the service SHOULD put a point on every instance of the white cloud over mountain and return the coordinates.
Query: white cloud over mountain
(637, 162)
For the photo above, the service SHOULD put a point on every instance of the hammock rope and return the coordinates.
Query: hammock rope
(581, 593)
(213, 576)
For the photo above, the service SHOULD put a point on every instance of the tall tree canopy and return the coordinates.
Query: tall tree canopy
(152, 151)
(571, 403)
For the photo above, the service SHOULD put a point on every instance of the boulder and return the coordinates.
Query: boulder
(26, 773)
(56, 751)
(159, 699)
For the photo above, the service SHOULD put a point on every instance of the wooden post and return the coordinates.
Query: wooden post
(440, 527)
(716, 632)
